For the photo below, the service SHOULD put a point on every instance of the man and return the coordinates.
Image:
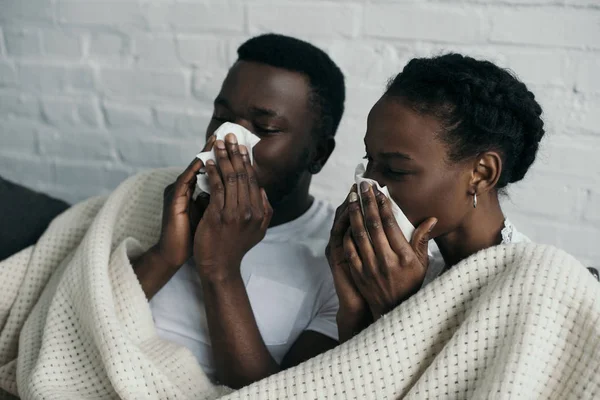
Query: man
(277, 307)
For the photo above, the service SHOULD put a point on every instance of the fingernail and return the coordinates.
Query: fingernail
(243, 150)
(364, 187)
(433, 226)
(352, 197)
(231, 138)
(220, 144)
(210, 162)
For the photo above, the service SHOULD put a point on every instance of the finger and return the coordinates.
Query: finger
(373, 220)
(254, 191)
(209, 143)
(217, 189)
(233, 150)
(360, 236)
(353, 260)
(420, 239)
(267, 210)
(396, 238)
(228, 173)
(185, 182)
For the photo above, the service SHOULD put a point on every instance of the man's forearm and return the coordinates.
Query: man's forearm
(240, 354)
(152, 272)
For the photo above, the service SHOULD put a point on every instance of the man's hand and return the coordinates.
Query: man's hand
(354, 314)
(175, 243)
(180, 215)
(237, 217)
(386, 268)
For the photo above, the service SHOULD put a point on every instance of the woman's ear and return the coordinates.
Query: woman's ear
(322, 150)
(487, 168)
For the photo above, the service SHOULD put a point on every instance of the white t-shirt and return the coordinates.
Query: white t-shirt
(288, 282)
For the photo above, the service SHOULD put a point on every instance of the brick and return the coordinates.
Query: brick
(125, 82)
(553, 27)
(55, 78)
(94, 12)
(562, 154)
(183, 123)
(586, 78)
(424, 22)
(29, 170)
(555, 199)
(108, 45)
(19, 136)
(92, 175)
(369, 62)
(81, 78)
(62, 44)
(580, 241)
(205, 52)
(592, 207)
(360, 101)
(206, 86)
(70, 112)
(8, 75)
(76, 145)
(292, 19)
(21, 105)
(19, 10)
(589, 117)
(538, 67)
(120, 115)
(23, 42)
(155, 51)
(207, 17)
(157, 153)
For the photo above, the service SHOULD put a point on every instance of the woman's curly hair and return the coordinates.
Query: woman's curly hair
(482, 107)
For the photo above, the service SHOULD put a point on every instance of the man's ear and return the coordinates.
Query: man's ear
(487, 168)
(321, 154)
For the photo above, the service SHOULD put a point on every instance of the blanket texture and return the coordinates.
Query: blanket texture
(511, 321)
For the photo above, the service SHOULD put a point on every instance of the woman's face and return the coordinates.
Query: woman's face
(406, 155)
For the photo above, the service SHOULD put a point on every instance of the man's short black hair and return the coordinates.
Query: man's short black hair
(325, 77)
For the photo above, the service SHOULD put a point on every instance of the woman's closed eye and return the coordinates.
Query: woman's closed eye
(385, 170)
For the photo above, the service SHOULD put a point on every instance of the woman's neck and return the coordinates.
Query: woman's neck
(481, 228)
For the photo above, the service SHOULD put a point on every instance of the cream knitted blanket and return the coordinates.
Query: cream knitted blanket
(511, 321)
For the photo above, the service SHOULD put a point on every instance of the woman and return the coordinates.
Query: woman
(447, 138)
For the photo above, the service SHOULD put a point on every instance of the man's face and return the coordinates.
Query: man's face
(272, 103)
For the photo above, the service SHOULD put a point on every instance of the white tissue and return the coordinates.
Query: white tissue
(405, 226)
(244, 137)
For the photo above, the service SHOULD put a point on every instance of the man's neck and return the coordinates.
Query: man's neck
(292, 206)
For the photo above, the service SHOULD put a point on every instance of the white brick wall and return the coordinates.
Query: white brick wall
(93, 91)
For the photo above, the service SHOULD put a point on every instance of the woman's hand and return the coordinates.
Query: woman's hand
(237, 216)
(181, 215)
(354, 314)
(386, 268)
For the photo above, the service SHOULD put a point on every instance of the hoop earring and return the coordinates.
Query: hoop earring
(474, 200)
